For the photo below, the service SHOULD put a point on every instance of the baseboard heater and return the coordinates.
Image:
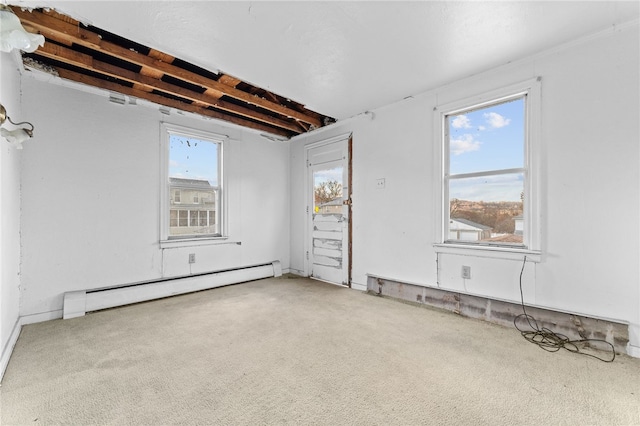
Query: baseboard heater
(77, 303)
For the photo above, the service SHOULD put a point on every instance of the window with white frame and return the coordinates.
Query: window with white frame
(489, 171)
(192, 192)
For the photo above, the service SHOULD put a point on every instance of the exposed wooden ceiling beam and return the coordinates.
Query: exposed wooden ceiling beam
(229, 81)
(66, 32)
(271, 96)
(161, 100)
(304, 126)
(148, 84)
(164, 57)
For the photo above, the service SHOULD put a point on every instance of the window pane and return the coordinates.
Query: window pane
(490, 138)
(183, 218)
(194, 182)
(327, 191)
(191, 158)
(173, 218)
(487, 209)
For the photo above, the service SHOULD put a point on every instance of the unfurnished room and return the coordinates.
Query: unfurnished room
(336, 212)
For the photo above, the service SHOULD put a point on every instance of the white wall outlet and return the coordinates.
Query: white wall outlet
(380, 183)
(466, 272)
(192, 258)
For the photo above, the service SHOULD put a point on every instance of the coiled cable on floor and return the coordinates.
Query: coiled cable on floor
(549, 340)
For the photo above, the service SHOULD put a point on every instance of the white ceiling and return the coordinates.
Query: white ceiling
(343, 58)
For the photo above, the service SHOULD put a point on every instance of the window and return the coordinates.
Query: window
(183, 217)
(193, 163)
(488, 179)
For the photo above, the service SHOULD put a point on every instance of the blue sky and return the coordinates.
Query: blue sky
(193, 159)
(327, 175)
(490, 138)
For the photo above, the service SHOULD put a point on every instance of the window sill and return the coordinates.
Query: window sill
(510, 253)
(194, 242)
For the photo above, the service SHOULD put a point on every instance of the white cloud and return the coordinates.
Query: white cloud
(495, 120)
(481, 128)
(466, 143)
(461, 122)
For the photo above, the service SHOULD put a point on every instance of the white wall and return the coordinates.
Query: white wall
(91, 190)
(9, 213)
(590, 181)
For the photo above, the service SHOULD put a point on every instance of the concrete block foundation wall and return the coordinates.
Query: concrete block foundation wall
(572, 325)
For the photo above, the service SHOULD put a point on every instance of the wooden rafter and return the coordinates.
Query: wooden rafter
(82, 78)
(148, 84)
(82, 54)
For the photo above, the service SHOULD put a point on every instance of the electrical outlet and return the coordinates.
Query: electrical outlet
(380, 183)
(192, 258)
(466, 272)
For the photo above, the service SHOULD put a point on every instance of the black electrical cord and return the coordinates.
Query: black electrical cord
(549, 340)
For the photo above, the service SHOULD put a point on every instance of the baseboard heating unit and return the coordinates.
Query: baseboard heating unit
(77, 303)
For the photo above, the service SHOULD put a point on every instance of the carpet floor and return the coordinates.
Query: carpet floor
(297, 351)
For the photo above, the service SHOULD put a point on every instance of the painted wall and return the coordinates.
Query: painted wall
(590, 181)
(91, 191)
(9, 212)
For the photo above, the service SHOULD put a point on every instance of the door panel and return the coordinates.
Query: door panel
(328, 216)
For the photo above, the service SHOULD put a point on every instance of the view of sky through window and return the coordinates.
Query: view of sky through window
(327, 175)
(192, 158)
(490, 138)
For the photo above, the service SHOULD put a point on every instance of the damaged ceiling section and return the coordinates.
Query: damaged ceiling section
(92, 56)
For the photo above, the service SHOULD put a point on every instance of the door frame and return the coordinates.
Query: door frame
(348, 138)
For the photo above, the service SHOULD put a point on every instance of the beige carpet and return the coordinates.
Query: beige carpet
(296, 351)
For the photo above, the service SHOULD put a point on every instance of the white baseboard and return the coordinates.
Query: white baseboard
(633, 351)
(41, 317)
(633, 347)
(8, 348)
(15, 333)
(357, 286)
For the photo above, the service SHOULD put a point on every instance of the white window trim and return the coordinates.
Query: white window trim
(532, 164)
(166, 129)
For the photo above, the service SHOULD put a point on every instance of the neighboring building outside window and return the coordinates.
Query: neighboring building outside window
(466, 230)
(197, 218)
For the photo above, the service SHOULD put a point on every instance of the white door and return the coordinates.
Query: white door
(328, 218)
